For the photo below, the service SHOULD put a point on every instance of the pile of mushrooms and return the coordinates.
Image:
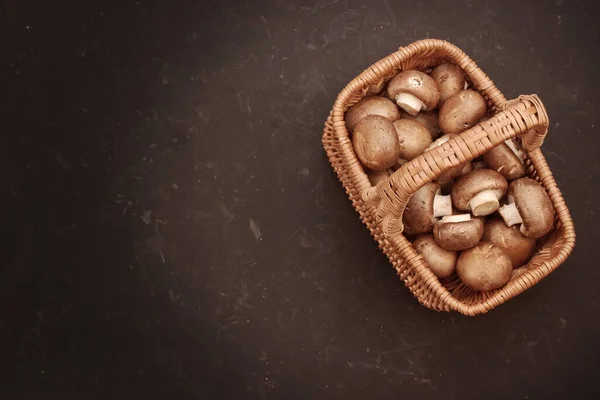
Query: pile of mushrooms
(480, 220)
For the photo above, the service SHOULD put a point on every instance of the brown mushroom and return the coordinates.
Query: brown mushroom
(377, 176)
(461, 111)
(515, 245)
(376, 142)
(484, 267)
(413, 138)
(505, 160)
(458, 232)
(479, 191)
(424, 208)
(414, 91)
(429, 119)
(371, 105)
(446, 177)
(441, 262)
(528, 204)
(450, 79)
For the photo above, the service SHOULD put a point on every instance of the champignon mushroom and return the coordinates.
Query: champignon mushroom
(446, 177)
(450, 79)
(441, 262)
(371, 105)
(414, 91)
(515, 245)
(429, 119)
(424, 208)
(413, 138)
(479, 191)
(458, 232)
(461, 111)
(505, 160)
(377, 176)
(484, 267)
(376, 142)
(528, 204)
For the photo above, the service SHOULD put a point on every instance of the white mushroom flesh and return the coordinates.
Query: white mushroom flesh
(484, 203)
(409, 103)
(510, 214)
(457, 218)
(442, 206)
(513, 146)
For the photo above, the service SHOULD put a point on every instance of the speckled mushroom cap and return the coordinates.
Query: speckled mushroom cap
(376, 142)
(371, 105)
(418, 215)
(413, 137)
(457, 236)
(534, 205)
(418, 84)
(441, 262)
(502, 159)
(475, 182)
(517, 246)
(450, 79)
(484, 267)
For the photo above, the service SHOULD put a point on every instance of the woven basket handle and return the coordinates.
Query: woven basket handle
(525, 117)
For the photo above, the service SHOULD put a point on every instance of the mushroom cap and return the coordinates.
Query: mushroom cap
(377, 176)
(508, 238)
(371, 105)
(418, 84)
(376, 142)
(450, 79)
(457, 236)
(484, 267)
(534, 205)
(502, 159)
(469, 185)
(463, 110)
(441, 262)
(429, 119)
(418, 215)
(414, 138)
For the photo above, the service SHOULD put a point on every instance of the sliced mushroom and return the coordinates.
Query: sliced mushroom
(528, 204)
(515, 245)
(413, 138)
(376, 142)
(371, 105)
(458, 232)
(424, 208)
(377, 176)
(484, 267)
(414, 91)
(461, 111)
(445, 178)
(450, 79)
(479, 191)
(503, 159)
(441, 262)
(429, 119)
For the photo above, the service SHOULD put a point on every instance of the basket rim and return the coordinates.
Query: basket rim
(409, 265)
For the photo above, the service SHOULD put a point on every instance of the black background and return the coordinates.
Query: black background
(172, 229)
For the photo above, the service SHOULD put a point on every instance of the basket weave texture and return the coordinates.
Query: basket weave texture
(381, 207)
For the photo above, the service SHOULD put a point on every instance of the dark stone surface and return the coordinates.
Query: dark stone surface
(172, 228)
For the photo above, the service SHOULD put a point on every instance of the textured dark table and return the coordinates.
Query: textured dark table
(172, 229)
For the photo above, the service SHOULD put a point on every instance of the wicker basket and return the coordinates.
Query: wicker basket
(381, 207)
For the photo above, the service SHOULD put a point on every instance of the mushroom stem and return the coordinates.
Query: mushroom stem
(409, 103)
(457, 218)
(442, 206)
(484, 203)
(513, 146)
(510, 214)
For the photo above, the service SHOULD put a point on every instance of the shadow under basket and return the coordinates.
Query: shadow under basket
(381, 207)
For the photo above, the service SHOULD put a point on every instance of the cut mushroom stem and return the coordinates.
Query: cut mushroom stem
(409, 103)
(510, 214)
(484, 203)
(457, 218)
(442, 206)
